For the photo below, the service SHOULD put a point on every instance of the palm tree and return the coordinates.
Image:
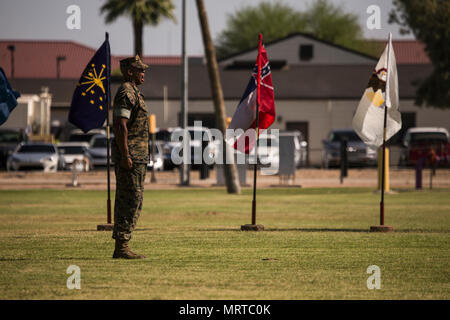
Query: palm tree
(141, 12)
(231, 175)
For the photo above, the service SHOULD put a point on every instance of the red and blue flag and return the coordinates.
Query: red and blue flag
(245, 115)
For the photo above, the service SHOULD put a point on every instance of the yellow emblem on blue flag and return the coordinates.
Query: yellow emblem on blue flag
(89, 102)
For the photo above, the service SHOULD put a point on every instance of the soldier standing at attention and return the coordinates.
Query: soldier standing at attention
(129, 150)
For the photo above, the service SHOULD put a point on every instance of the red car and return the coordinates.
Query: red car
(430, 145)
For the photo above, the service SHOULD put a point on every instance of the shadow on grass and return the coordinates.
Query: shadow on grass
(317, 230)
(50, 259)
(421, 231)
(108, 231)
(331, 230)
(14, 259)
(292, 229)
(236, 229)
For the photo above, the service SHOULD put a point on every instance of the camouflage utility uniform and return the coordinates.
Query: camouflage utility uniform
(129, 103)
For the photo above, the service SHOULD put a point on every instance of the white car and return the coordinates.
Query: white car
(76, 135)
(98, 149)
(201, 145)
(300, 147)
(417, 143)
(38, 156)
(268, 152)
(164, 135)
(76, 153)
(413, 135)
(158, 162)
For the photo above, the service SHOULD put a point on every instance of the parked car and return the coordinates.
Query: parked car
(200, 140)
(164, 136)
(418, 142)
(41, 156)
(76, 135)
(76, 153)
(268, 152)
(9, 140)
(98, 149)
(158, 162)
(358, 153)
(303, 150)
(301, 147)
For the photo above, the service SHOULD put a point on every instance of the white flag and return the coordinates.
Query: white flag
(368, 121)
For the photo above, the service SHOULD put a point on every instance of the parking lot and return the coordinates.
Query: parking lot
(97, 179)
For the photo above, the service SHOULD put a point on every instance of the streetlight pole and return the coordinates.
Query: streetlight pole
(58, 67)
(12, 48)
(184, 103)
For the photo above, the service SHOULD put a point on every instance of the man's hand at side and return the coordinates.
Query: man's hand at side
(126, 163)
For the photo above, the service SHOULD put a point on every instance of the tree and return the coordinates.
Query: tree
(231, 175)
(429, 22)
(332, 24)
(277, 20)
(243, 27)
(142, 12)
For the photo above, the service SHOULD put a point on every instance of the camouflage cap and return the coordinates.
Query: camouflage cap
(134, 62)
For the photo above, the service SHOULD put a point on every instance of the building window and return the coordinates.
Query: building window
(306, 52)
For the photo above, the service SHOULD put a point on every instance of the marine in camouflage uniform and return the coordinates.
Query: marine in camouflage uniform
(130, 154)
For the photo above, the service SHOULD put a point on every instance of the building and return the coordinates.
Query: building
(318, 85)
(35, 59)
(32, 114)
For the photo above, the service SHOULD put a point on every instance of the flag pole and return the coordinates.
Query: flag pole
(387, 104)
(108, 225)
(253, 226)
(383, 169)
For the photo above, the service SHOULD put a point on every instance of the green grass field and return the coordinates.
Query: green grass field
(316, 245)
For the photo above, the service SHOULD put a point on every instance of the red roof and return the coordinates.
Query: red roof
(38, 59)
(408, 51)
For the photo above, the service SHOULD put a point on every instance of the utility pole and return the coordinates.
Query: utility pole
(12, 48)
(184, 179)
(58, 65)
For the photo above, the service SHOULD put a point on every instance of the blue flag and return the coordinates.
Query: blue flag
(91, 97)
(8, 98)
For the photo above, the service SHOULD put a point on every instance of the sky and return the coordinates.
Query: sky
(46, 20)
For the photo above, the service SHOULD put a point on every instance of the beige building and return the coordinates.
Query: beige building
(32, 114)
(317, 84)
